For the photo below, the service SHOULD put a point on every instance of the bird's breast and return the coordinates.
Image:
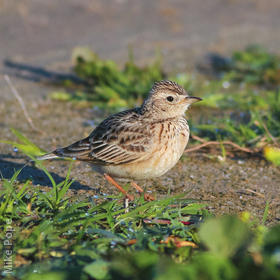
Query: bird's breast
(170, 142)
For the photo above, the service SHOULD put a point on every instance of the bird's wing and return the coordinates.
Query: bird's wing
(122, 138)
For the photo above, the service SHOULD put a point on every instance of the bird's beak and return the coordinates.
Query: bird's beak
(193, 99)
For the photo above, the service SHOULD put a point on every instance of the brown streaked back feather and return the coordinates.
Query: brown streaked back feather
(119, 139)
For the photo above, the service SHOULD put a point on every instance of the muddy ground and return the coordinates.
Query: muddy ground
(36, 39)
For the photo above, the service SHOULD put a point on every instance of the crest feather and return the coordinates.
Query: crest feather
(168, 85)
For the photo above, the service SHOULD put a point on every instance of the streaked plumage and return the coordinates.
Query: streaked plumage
(140, 143)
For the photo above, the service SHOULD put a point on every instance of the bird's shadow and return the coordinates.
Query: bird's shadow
(213, 64)
(31, 172)
(38, 74)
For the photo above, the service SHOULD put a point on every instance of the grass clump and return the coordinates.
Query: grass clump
(241, 104)
(56, 236)
(59, 236)
(255, 66)
(109, 87)
(98, 240)
(247, 90)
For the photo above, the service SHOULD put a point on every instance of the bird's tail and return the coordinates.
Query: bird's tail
(48, 156)
(77, 150)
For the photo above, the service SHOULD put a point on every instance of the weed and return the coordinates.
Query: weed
(63, 238)
(245, 96)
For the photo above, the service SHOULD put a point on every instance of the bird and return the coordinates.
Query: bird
(140, 143)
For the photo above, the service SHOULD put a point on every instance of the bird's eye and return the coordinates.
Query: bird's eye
(169, 98)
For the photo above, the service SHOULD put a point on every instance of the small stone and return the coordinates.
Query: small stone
(226, 84)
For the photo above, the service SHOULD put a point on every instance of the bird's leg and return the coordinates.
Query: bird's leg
(147, 197)
(114, 183)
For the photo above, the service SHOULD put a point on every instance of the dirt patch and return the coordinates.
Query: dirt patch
(37, 38)
(233, 186)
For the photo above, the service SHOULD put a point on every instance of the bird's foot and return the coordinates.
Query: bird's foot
(147, 197)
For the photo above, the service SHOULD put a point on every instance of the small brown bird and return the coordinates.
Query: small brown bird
(140, 143)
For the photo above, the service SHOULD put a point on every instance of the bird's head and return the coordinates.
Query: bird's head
(167, 99)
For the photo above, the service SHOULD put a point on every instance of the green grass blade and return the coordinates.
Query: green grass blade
(265, 213)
